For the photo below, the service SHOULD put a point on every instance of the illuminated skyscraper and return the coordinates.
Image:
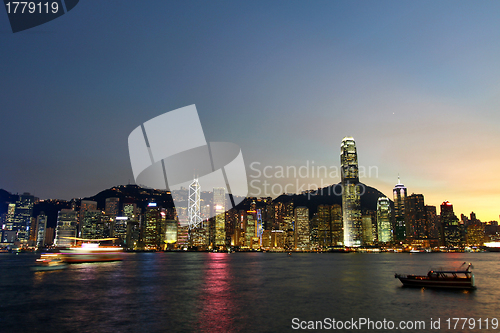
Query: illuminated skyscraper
(415, 217)
(41, 222)
(399, 196)
(219, 201)
(302, 228)
(66, 228)
(337, 225)
(112, 207)
(92, 224)
(85, 206)
(350, 193)
(452, 230)
(194, 218)
(384, 220)
(23, 215)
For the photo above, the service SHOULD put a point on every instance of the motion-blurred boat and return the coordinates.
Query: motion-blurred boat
(92, 251)
(49, 262)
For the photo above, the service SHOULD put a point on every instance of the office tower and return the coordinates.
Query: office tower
(152, 227)
(452, 230)
(350, 193)
(314, 226)
(219, 204)
(337, 225)
(399, 197)
(92, 224)
(324, 226)
(49, 236)
(23, 215)
(120, 229)
(302, 228)
(171, 233)
(85, 206)
(260, 226)
(41, 222)
(66, 228)
(415, 218)
(369, 222)
(384, 231)
(112, 207)
(194, 218)
(250, 229)
(9, 220)
(130, 210)
(433, 225)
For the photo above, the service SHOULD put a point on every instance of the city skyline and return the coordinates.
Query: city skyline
(284, 81)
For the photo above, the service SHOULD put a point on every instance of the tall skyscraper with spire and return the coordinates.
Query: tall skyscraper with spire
(351, 207)
(399, 196)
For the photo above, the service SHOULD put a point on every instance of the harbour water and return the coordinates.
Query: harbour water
(240, 292)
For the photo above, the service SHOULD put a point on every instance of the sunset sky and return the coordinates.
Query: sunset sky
(415, 83)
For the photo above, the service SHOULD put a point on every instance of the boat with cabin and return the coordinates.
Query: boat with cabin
(457, 279)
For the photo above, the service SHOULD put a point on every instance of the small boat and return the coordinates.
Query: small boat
(49, 262)
(458, 279)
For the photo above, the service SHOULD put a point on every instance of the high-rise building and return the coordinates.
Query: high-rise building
(152, 226)
(324, 226)
(351, 194)
(302, 229)
(219, 202)
(369, 222)
(452, 229)
(112, 206)
(399, 197)
(384, 220)
(92, 224)
(85, 206)
(433, 225)
(415, 217)
(337, 225)
(23, 215)
(66, 228)
(41, 222)
(194, 202)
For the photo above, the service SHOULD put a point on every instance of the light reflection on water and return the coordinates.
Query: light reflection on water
(240, 292)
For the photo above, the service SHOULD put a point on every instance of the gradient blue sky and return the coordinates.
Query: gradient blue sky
(417, 84)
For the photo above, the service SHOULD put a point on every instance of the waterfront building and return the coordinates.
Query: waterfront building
(337, 225)
(219, 204)
(324, 225)
(302, 231)
(433, 225)
(85, 206)
(369, 223)
(92, 224)
(194, 202)
(399, 196)
(314, 233)
(112, 206)
(66, 228)
(41, 222)
(475, 234)
(22, 216)
(452, 229)
(415, 218)
(171, 232)
(152, 226)
(351, 198)
(384, 230)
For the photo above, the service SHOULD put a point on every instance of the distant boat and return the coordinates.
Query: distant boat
(459, 279)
